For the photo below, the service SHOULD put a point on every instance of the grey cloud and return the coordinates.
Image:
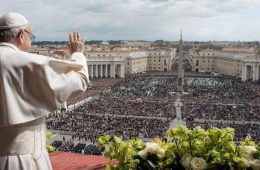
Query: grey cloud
(135, 19)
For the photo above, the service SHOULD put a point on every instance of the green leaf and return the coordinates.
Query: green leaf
(50, 148)
(48, 135)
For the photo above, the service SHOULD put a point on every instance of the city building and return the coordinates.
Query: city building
(238, 62)
(119, 62)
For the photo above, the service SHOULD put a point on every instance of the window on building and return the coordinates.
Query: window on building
(197, 62)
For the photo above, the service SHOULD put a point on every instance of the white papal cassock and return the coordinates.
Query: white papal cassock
(31, 86)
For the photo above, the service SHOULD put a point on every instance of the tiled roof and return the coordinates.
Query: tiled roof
(71, 161)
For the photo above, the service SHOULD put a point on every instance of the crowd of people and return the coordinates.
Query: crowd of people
(127, 105)
(142, 106)
(220, 90)
(80, 148)
(90, 127)
(235, 112)
(94, 88)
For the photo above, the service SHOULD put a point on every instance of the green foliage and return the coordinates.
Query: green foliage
(49, 147)
(124, 152)
(191, 149)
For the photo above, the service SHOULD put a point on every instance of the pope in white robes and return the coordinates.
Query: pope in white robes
(31, 86)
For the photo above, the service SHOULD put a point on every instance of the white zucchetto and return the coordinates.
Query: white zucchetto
(12, 20)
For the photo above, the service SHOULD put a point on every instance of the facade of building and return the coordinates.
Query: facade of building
(106, 63)
(238, 62)
(118, 63)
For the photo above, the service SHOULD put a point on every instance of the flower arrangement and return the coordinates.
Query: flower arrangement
(48, 137)
(187, 149)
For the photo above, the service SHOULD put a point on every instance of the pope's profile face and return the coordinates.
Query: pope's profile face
(27, 32)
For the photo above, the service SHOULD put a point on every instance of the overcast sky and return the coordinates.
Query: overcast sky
(200, 20)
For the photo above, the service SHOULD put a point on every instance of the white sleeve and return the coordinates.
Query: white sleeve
(81, 59)
(36, 85)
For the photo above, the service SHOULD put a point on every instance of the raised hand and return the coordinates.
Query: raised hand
(76, 43)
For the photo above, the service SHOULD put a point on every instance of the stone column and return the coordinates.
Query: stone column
(244, 73)
(101, 70)
(256, 73)
(106, 70)
(122, 71)
(96, 71)
(91, 71)
(178, 105)
(112, 70)
(257, 76)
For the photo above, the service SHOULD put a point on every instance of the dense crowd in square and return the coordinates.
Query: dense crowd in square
(68, 146)
(142, 106)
